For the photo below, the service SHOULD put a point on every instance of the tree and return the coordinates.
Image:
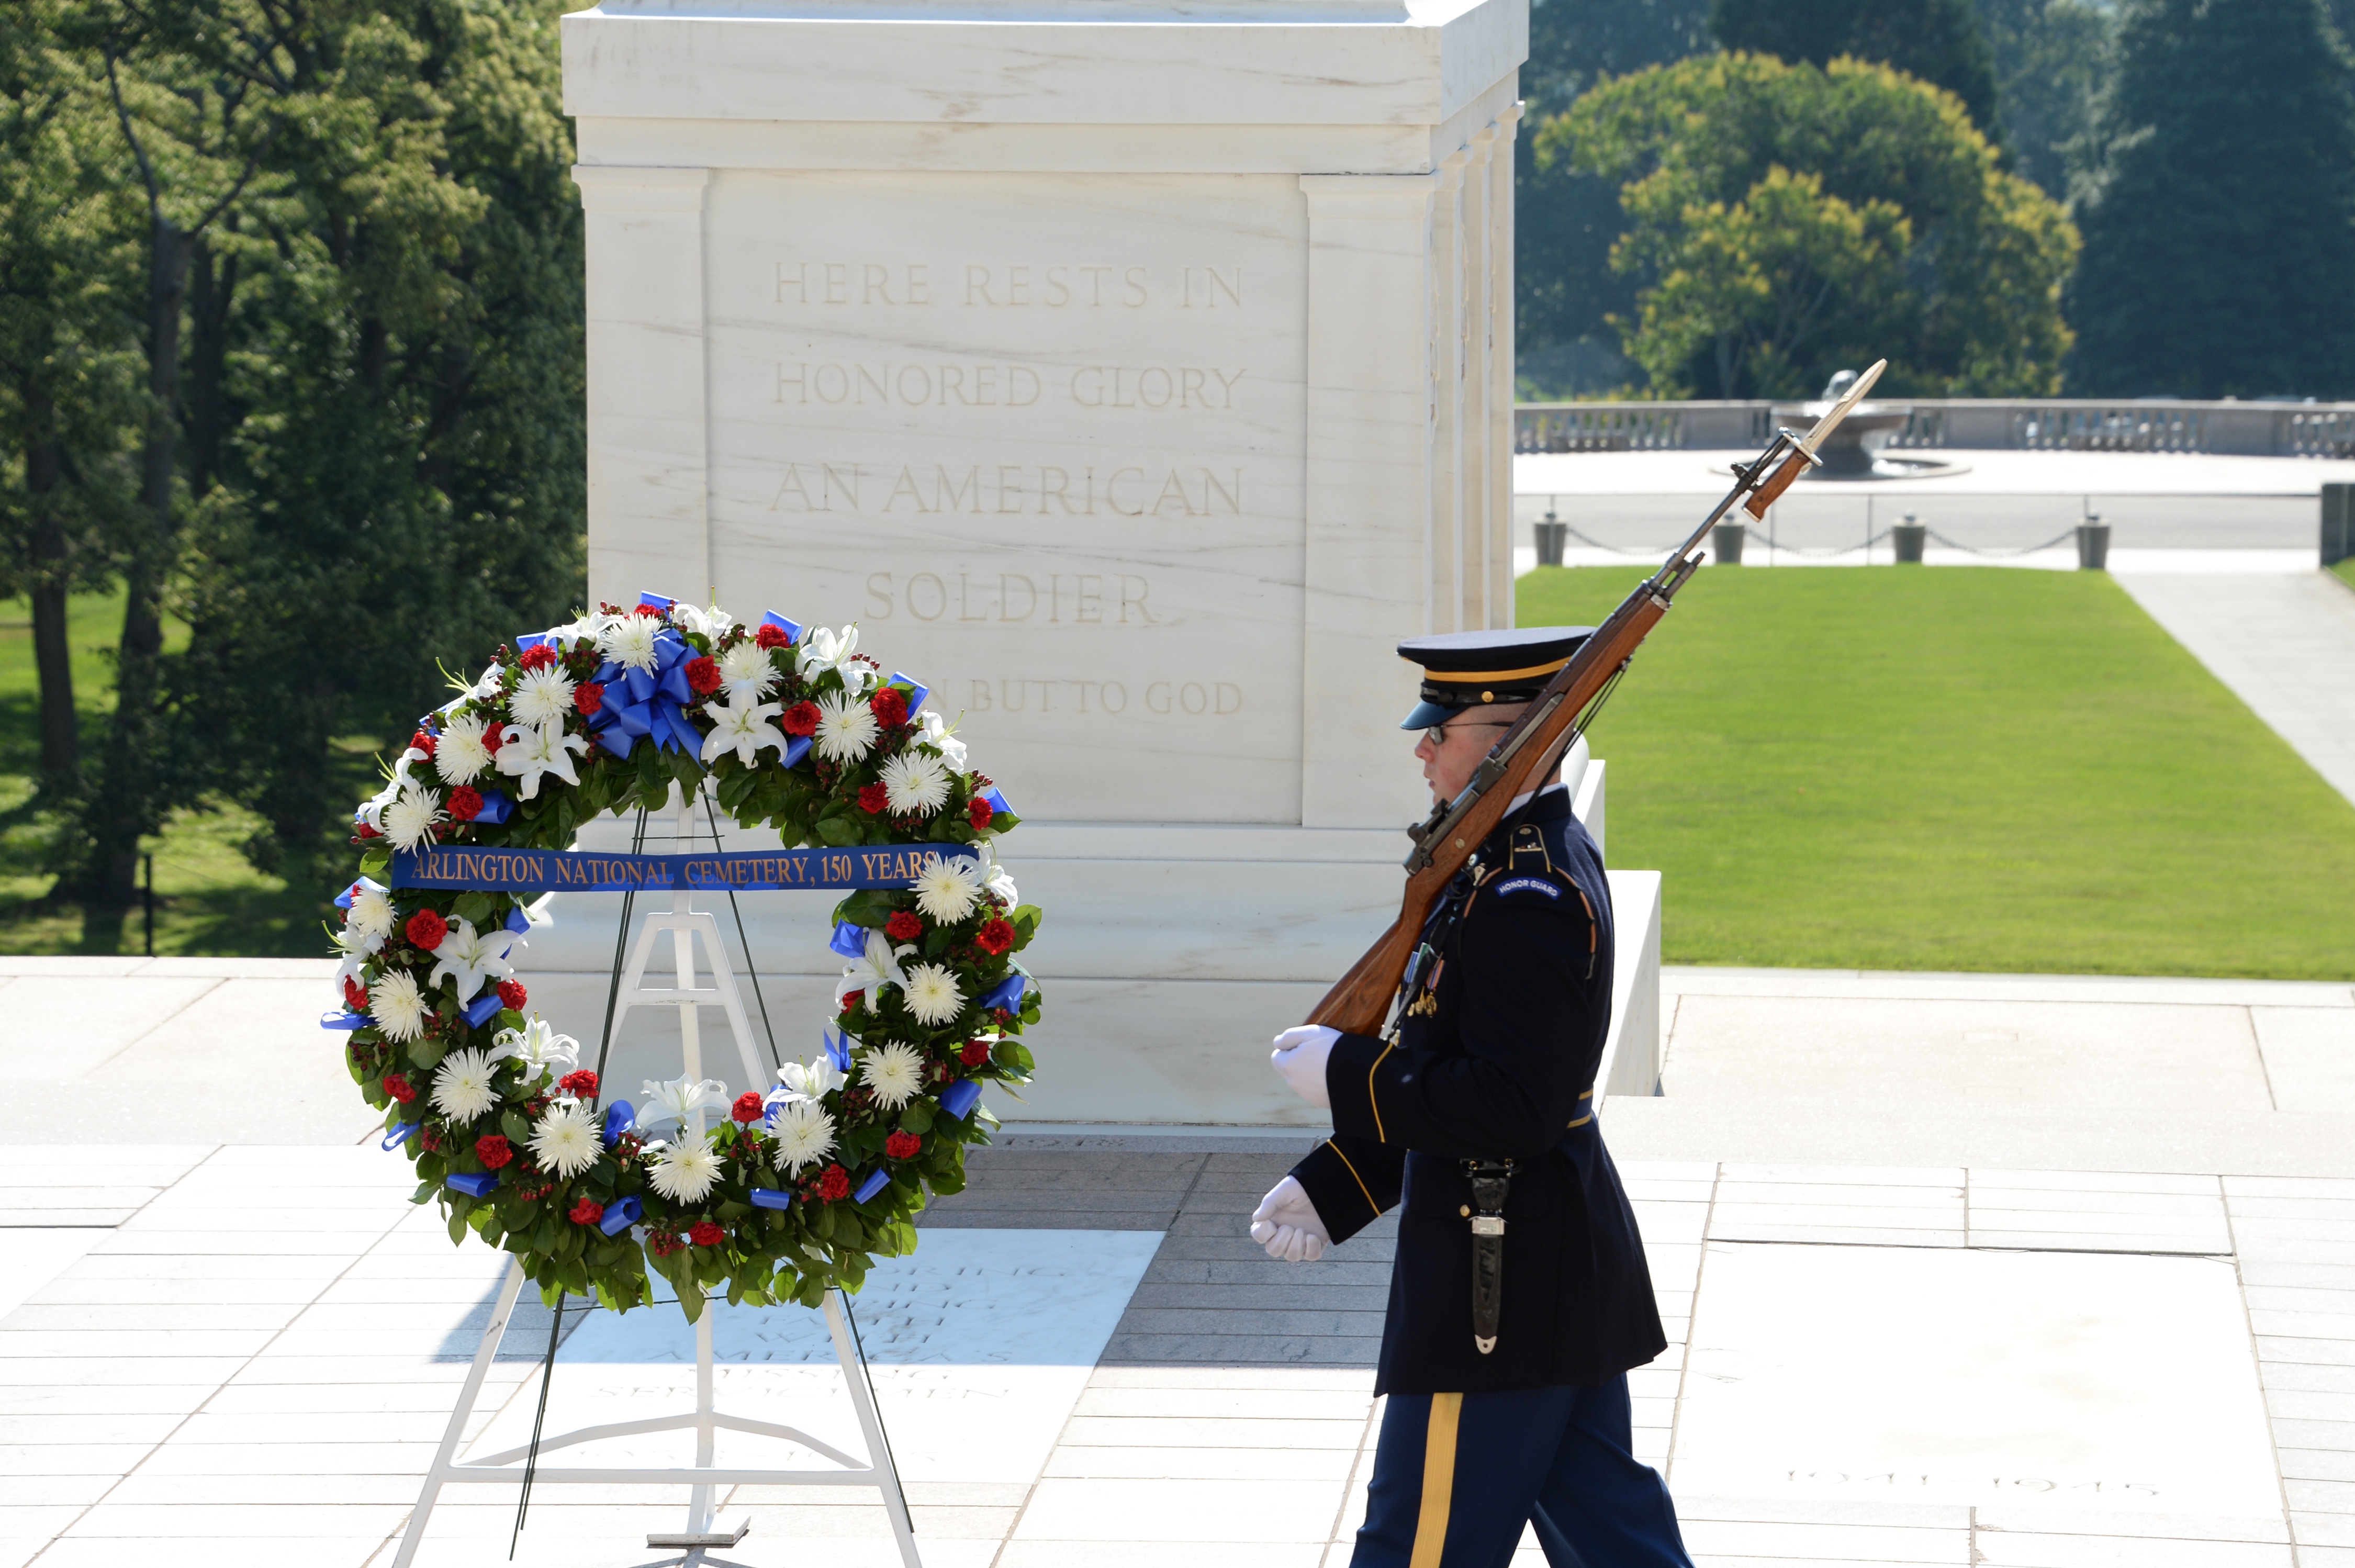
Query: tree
(1937, 40)
(1782, 220)
(2218, 255)
(2055, 61)
(1567, 221)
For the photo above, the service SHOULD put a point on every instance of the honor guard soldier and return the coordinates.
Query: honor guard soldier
(1520, 1298)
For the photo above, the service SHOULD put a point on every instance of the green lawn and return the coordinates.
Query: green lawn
(211, 900)
(2346, 568)
(1964, 768)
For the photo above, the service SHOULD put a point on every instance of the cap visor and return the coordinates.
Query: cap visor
(1427, 714)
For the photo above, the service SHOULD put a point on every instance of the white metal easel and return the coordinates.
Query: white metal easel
(683, 923)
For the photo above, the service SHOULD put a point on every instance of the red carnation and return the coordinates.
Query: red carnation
(584, 1084)
(974, 1053)
(589, 697)
(980, 813)
(875, 798)
(889, 706)
(748, 1107)
(851, 1003)
(465, 803)
(494, 735)
(835, 1185)
(423, 742)
(773, 638)
(703, 674)
(905, 926)
(367, 832)
(427, 929)
(653, 610)
(537, 657)
(397, 1085)
(706, 1234)
(588, 1211)
(801, 719)
(995, 936)
(355, 996)
(899, 1146)
(513, 995)
(493, 1150)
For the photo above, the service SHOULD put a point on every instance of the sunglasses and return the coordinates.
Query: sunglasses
(1439, 733)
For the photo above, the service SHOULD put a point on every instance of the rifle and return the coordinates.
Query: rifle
(1559, 715)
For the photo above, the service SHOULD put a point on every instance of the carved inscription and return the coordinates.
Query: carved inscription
(1152, 388)
(1010, 490)
(1016, 285)
(1162, 699)
(1010, 598)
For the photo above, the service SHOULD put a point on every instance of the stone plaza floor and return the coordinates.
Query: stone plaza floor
(2021, 1271)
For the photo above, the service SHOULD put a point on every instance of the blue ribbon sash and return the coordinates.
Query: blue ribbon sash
(582, 870)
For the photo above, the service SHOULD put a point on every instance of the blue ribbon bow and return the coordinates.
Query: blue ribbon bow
(400, 1134)
(649, 702)
(1007, 994)
(876, 1182)
(619, 1119)
(483, 1008)
(958, 1097)
(769, 1197)
(517, 921)
(346, 1020)
(848, 940)
(479, 1184)
(620, 1214)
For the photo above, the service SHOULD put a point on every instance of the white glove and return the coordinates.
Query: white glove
(1299, 1057)
(1285, 1223)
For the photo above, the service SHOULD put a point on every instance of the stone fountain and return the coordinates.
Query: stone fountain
(1855, 451)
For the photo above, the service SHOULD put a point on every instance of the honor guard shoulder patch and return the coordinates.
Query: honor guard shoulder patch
(1513, 885)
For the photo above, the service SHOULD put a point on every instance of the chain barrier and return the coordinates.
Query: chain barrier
(1654, 553)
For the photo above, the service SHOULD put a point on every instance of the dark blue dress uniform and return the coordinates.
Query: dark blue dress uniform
(1494, 1059)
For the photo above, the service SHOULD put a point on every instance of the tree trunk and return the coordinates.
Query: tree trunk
(128, 806)
(52, 654)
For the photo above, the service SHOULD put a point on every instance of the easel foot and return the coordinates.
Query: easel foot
(721, 1532)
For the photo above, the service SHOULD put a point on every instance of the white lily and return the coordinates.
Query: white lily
(824, 650)
(816, 1081)
(530, 752)
(879, 967)
(356, 946)
(467, 957)
(933, 731)
(674, 1103)
(712, 623)
(741, 725)
(537, 1046)
(1001, 881)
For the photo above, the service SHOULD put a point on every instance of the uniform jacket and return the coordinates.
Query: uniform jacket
(1496, 1059)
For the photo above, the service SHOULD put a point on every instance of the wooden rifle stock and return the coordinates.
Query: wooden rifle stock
(1455, 829)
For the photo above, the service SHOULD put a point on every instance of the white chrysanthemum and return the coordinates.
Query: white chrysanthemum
(895, 1073)
(397, 1004)
(805, 1135)
(463, 1086)
(371, 913)
(917, 784)
(846, 727)
(748, 668)
(684, 1172)
(932, 995)
(630, 641)
(933, 731)
(460, 756)
(411, 816)
(542, 697)
(568, 1139)
(948, 887)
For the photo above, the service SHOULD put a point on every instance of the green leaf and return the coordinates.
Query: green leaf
(517, 1129)
(839, 831)
(917, 1117)
(474, 907)
(375, 862)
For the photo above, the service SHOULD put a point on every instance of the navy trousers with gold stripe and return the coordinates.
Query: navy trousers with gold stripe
(1456, 1475)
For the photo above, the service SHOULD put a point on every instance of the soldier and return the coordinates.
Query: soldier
(1520, 1298)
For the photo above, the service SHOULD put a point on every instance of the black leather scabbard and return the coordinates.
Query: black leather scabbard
(1491, 1183)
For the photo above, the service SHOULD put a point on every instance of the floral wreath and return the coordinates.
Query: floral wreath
(792, 1191)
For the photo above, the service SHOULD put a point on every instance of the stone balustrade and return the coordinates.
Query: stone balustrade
(1982, 424)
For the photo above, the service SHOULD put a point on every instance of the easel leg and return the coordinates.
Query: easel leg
(870, 1422)
(493, 1332)
(699, 1503)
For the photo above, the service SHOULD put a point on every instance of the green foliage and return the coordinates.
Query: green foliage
(1938, 41)
(299, 358)
(1565, 220)
(1784, 221)
(2054, 63)
(2217, 257)
(1959, 769)
(2345, 570)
